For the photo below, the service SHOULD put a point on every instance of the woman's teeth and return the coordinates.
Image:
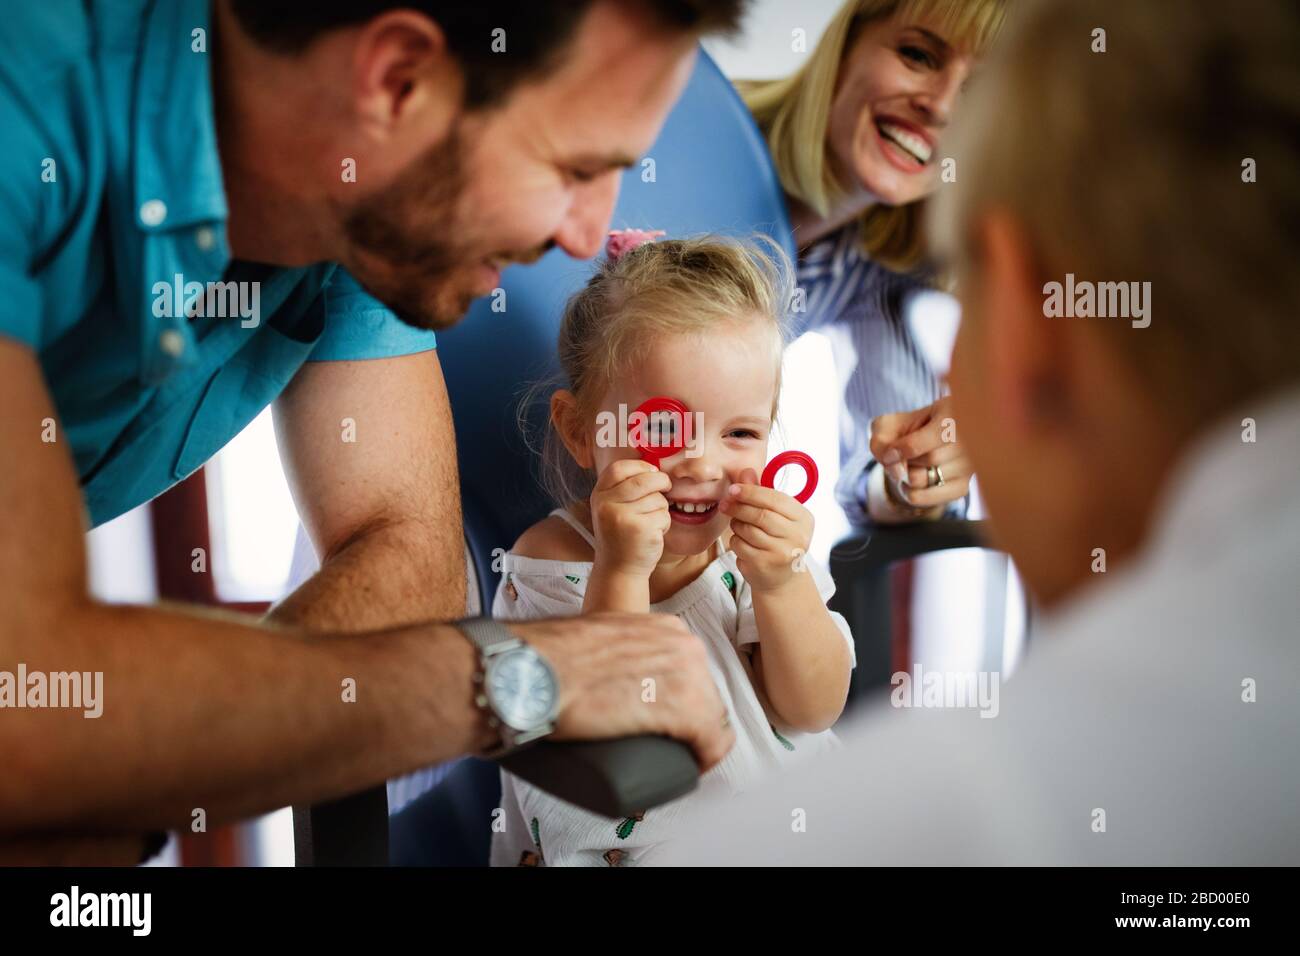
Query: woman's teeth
(692, 508)
(918, 148)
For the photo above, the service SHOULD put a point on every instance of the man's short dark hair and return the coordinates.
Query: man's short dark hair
(537, 31)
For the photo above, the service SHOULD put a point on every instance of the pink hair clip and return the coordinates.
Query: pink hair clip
(622, 241)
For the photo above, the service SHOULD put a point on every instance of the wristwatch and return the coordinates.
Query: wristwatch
(514, 685)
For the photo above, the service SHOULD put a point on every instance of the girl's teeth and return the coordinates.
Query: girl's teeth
(690, 507)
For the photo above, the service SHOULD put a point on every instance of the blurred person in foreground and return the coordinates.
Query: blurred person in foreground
(1155, 720)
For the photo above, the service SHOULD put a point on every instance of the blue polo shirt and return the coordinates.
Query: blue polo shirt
(113, 226)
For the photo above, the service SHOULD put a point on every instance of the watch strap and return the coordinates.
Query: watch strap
(488, 635)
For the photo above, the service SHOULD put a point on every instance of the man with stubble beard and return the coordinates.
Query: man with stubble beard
(368, 168)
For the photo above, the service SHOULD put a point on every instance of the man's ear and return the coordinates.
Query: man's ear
(1023, 346)
(404, 78)
(566, 419)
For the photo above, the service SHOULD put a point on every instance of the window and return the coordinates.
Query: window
(253, 519)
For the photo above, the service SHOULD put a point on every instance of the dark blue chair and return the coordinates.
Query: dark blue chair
(711, 173)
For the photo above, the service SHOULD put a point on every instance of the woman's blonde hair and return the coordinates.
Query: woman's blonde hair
(666, 288)
(793, 114)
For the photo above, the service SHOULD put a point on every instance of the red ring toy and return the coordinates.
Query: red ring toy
(655, 453)
(799, 458)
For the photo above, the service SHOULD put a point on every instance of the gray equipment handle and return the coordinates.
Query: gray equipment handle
(616, 778)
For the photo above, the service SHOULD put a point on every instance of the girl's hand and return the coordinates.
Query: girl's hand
(907, 444)
(629, 513)
(770, 532)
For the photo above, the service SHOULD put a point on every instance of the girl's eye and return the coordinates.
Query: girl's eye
(666, 432)
(917, 55)
(581, 175)
(742, 433)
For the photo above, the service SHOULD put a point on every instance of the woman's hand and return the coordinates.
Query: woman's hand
(629, 514)
(770, 532)
(907, 444)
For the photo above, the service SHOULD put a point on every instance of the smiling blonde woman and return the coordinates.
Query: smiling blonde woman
(856, 137)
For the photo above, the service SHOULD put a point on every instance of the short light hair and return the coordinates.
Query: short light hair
(793, 114)
(659, 289)
(1130, 165)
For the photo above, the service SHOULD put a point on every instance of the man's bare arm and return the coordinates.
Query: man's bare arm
(199, 710)
(383, 511)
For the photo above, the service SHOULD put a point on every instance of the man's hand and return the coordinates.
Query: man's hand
(908, 443)
(770, 530)
(627, 674)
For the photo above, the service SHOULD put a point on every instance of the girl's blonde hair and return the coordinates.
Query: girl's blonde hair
(665, 288)
(793, 114)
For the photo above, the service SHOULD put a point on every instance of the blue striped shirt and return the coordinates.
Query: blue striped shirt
(860, 307)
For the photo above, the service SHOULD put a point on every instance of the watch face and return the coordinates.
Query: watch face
(521, 688)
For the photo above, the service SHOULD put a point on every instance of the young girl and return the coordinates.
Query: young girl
(699, 320)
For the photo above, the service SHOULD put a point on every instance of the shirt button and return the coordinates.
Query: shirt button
(171, 342)
(153, 212)
(204, 238)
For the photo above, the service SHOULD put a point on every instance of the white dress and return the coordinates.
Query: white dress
(542, 830)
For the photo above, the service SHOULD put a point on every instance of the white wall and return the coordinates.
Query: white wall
(764, 49)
